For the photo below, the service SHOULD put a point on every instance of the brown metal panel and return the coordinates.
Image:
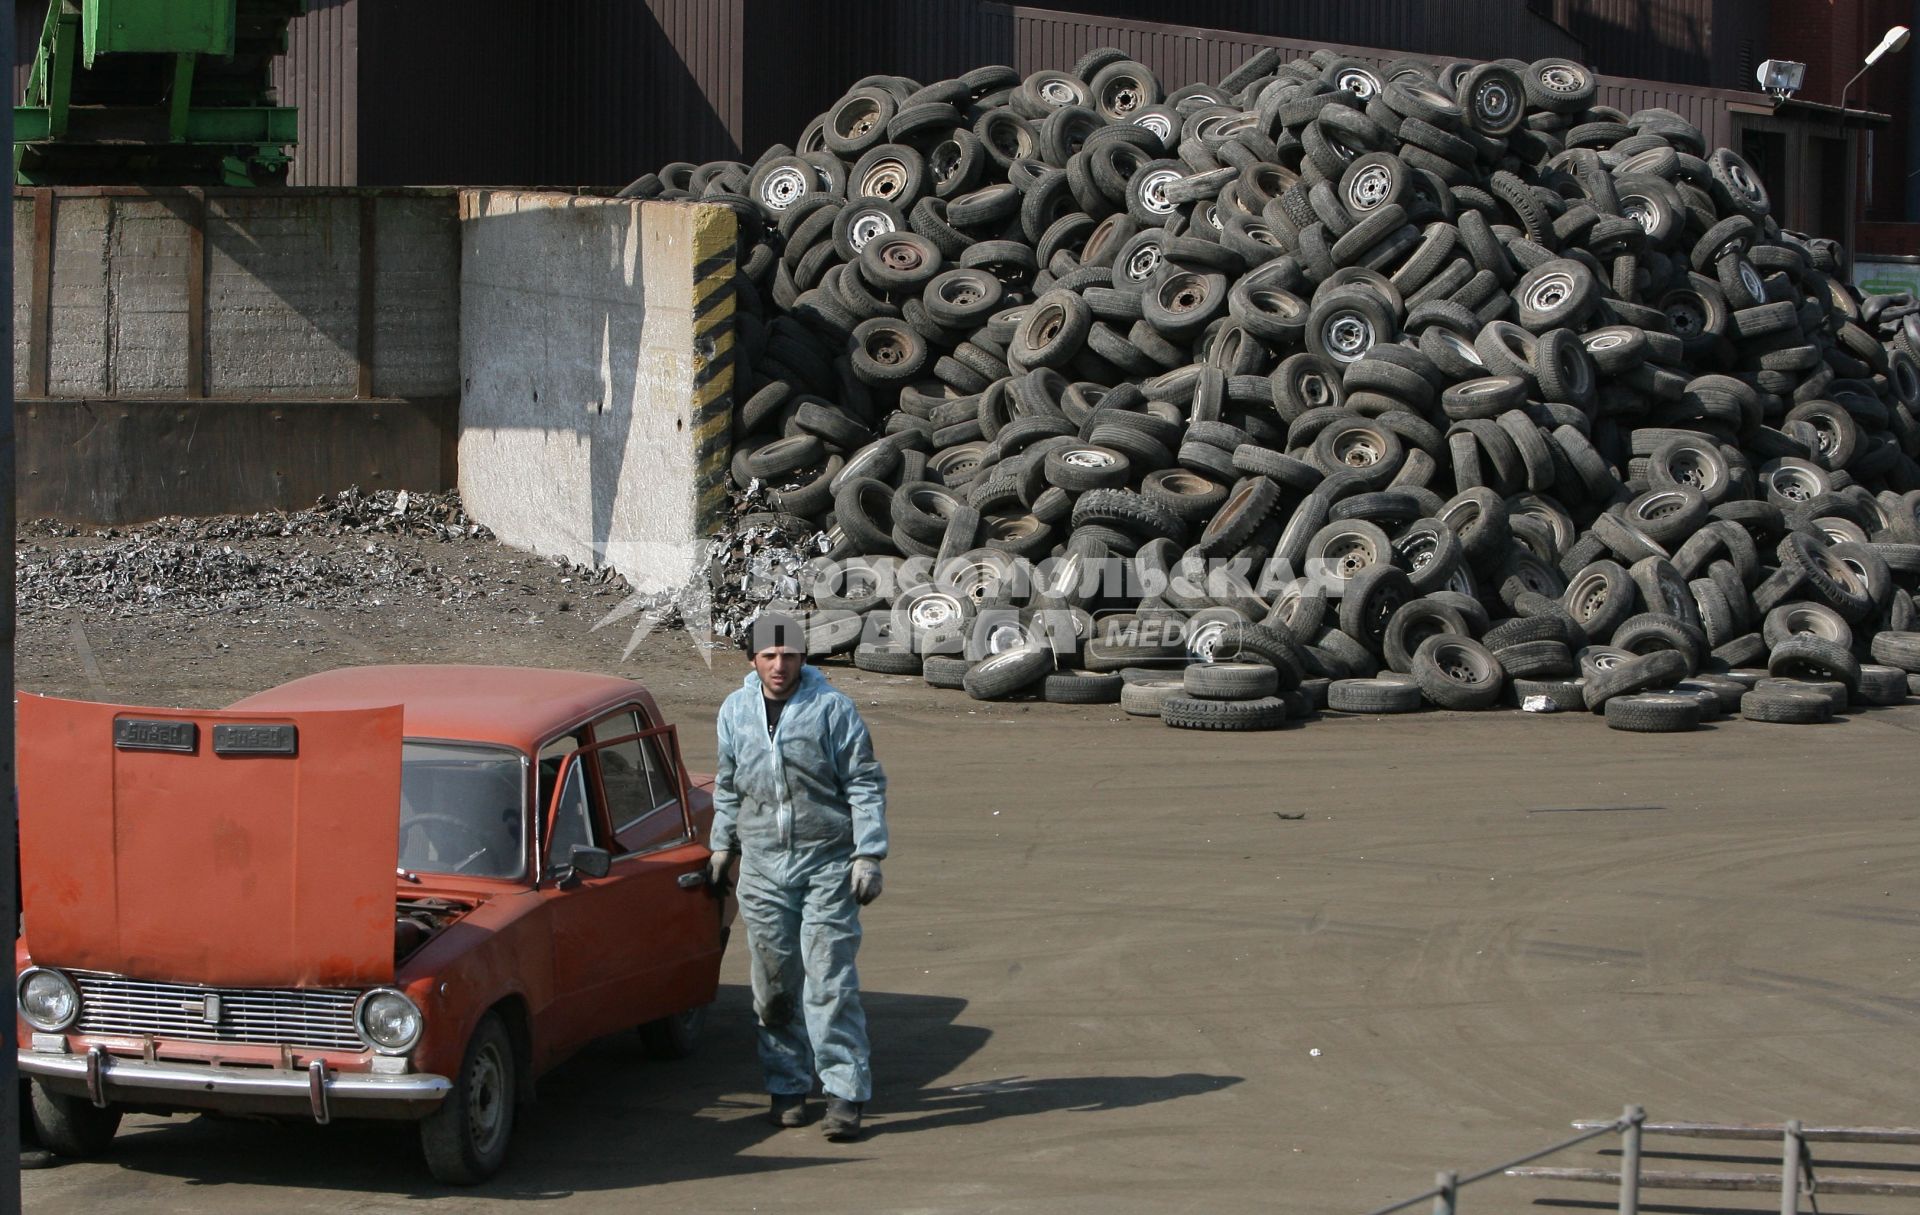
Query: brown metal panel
(28, 17)
(125, 461)
(1697, 42)
(367, 329)
(1441, 28)
(319, 75)
(512, 94)
(40, 298)
(197, 295)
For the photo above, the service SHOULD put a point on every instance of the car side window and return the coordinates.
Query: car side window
(551, 757)
(643, 790)
(572, 818)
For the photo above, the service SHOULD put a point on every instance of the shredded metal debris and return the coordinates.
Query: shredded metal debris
(384, 545)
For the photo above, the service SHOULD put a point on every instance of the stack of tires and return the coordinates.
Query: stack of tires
(1489, 390)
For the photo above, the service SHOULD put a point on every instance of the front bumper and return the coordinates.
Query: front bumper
(314, 1091)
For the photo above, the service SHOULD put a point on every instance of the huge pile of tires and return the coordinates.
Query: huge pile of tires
(1526, 400)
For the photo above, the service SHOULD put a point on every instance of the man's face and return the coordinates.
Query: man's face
(779, 669)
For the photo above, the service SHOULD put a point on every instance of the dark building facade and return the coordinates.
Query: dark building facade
(593, 92)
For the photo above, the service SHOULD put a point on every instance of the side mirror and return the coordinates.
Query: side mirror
(590, 862)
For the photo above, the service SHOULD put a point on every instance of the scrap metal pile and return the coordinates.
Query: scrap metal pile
(1343, 386)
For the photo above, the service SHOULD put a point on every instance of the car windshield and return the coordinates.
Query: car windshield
(462, 809)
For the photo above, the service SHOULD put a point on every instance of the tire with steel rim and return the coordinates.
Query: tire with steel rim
(1494, 99)
(1344, 325)
(465, 1140)
(1455, 672)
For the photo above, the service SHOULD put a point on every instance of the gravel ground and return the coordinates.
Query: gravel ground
(357, 578)
(1147, 973)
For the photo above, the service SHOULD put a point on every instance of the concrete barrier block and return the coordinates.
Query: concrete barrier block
(595, 340)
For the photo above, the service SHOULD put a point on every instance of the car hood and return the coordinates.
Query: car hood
(225, 848)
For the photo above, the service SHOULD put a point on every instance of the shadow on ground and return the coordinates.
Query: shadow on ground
(612, 1119)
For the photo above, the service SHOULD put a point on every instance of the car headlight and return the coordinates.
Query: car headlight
(48, 999)
(388, 1020)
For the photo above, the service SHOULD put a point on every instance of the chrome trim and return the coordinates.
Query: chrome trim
(317, 1091)
(131, 1079)
(117, 1006)
(97, 1076)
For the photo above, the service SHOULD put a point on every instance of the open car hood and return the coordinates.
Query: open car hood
(224, 848)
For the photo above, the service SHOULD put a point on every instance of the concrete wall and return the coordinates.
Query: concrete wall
(595, 361)
(588, 342)
(280, 274)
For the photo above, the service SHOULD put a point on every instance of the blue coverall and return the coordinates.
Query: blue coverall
(799, 807)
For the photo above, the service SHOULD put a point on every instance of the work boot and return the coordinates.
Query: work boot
(788, 1109)
(842, 1123)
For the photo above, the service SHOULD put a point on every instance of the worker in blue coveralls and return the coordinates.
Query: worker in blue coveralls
(801, 801)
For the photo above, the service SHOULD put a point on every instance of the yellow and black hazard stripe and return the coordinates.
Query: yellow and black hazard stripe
(714, 300)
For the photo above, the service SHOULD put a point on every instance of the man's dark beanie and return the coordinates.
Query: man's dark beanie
(775, 629)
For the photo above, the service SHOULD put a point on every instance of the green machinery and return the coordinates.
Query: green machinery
(156, 93)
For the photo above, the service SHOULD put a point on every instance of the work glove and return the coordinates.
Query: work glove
(717, 866)
(866, 880)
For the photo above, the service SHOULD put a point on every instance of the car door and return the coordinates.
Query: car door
(644, 785)
(621, 942)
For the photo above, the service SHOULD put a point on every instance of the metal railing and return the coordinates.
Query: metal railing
(1795, 1180)
(1448, 1184)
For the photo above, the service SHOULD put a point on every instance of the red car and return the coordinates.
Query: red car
(215, 921)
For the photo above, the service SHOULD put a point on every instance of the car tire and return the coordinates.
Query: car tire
(1194, 713)
(674, 1037)
(1786, 708)
(1561, 695)
(465, 1140)
(72, 1126)
(999, 676)
(1455, 672)
(1653, 713)
(1373, 696)
(1231, 681)
(1082, 688)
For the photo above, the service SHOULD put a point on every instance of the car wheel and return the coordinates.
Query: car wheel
(465, 1140)
(72, 1126)
(674, 1037)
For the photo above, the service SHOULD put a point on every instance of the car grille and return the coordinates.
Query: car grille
(263, 1016)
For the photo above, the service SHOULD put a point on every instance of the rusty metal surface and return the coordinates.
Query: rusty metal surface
(197, 297)
(124, 461)
(368, 329)
(40, 292)
(131, 851)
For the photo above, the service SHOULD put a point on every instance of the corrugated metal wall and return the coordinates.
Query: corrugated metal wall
(1704, 108)
(320, 74)
(1486, 29)
(1707, 42)
(802, 57)
(594, 92)
(501, 92)
(28, 17)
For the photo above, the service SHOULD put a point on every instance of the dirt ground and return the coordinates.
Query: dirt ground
(1113, 971)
